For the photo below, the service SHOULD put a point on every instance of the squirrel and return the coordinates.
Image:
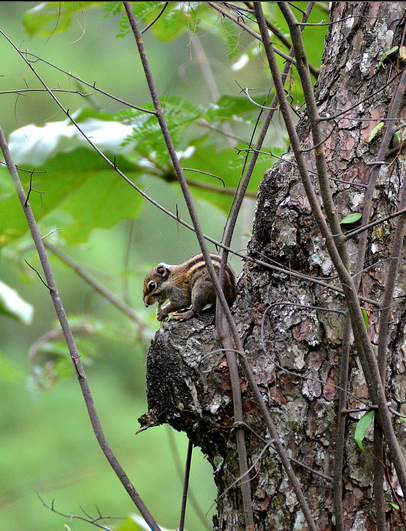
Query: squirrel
(187, 286)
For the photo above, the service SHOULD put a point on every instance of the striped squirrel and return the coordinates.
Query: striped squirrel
(187, 286)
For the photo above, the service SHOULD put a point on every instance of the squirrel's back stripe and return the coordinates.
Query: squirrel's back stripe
(197, 263)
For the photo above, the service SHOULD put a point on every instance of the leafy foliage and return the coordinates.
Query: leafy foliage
(49, 18)
(78, 189)
(73, 188)
(74, 191)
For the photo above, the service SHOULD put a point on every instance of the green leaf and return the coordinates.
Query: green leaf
(231, 33)
(389, 52)
(362, 426)
(48, 18)
(146, 138)
(235, 108)
(112, 8)
(173, 22)
(351, 218)
(395, 506)
(374, 131)
(76, 194)
(93, 197)
(226, 164)
(12, 305)
(130, 524)
(147, 11)
(72, 187)
(172, 19)
(365, 316)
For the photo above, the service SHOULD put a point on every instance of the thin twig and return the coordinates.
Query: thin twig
(94, 521)
(179, 470)
(186, 485)
(63, 91)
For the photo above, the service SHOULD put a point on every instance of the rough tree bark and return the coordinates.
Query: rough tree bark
(294, 347)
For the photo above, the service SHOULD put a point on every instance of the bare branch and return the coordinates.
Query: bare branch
(186, 485)
(87, 518)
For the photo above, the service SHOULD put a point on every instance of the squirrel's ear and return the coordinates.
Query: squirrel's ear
(162, 271)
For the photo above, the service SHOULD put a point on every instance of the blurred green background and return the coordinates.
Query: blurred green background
(47, 446)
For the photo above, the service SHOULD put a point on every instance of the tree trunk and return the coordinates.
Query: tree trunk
(291, 327)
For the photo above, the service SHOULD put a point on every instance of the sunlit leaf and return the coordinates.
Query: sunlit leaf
(13, 305)
(133, 522)
(362, 426)
(374, 131)
(389, 52)
(48, 18)
(130, 524)
(351, 218)
(172, 23)
(33, 145)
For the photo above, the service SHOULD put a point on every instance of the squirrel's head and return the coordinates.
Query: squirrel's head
(153, 282)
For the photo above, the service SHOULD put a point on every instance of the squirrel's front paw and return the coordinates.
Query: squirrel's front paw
(162, 315)
(183, 316)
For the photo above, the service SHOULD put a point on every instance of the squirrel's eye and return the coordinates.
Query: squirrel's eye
(151, 285)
